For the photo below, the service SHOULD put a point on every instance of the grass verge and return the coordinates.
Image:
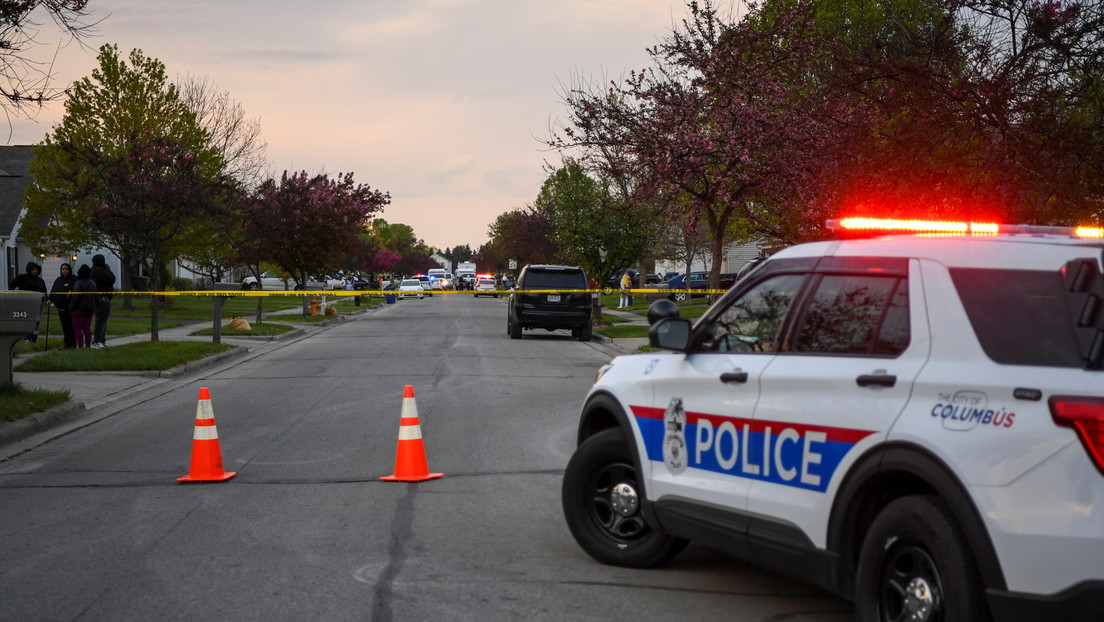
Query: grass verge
(265, 329)
(623, 332)
(141, 356)
(17, 402)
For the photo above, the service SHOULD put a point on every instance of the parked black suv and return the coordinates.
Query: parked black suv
(550, 297)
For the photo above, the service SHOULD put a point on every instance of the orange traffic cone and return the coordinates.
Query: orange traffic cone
(410, 458)
(206, 454)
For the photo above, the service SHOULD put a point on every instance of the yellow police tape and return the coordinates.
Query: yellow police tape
(376, 292)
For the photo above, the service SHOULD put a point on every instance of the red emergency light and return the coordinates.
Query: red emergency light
(866, 227)
(894, 225)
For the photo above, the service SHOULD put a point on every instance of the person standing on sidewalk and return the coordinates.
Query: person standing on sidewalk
(60, 298)
(30, 281)
(105, 284)
(626, 291)
(82, 305)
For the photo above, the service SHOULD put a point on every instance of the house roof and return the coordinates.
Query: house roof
(14, 179)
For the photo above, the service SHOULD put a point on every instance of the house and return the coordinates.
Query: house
(735, 256)
(14, 179)
(442, 261)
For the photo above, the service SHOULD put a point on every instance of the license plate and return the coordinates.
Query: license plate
(553, 297)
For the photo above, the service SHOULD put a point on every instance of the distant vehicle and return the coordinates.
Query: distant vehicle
(411, 288)
(465, 275)
(614, 281)
(695, 280)
(359, 282)
(426, 283)
(269, 280)
(485, 287)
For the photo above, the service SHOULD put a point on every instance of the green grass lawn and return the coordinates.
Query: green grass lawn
(17, 402)
(265, 329)
(116, 327)
(140, 356)
(634, 331)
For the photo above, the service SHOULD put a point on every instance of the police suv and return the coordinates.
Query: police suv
(912, 422)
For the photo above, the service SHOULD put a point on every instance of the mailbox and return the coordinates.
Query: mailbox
(19, 313)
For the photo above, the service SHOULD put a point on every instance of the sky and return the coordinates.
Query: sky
(442, 103)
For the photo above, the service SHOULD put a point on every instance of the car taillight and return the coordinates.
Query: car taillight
(1086, 415)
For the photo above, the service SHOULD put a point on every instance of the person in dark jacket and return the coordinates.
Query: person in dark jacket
(82, 305)
(30, 281)
(105, 284)
(60, 298)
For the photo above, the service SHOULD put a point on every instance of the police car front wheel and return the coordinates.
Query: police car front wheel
(601, 502)
(915, 565)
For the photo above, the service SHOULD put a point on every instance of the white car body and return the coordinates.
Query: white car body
(485, 287)
(786, 440)
(410, 288)
(269, 281)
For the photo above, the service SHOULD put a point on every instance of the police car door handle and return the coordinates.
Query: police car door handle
(879, 380)
(734, 376)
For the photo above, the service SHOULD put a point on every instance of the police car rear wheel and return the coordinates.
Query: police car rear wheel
(915, 565)
(601, 502)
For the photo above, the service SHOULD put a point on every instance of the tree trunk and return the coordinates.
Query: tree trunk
(155, 286)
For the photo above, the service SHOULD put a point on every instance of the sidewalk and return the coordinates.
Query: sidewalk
(626, 345)
(92, 390)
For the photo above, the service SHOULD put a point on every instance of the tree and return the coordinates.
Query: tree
(590, 227)
(977, 109)
(305, 223)
(724, 128)
(678, 240)
(25, 82)
(127, 169)
(457, 254)
(237, 138)
(521, 234)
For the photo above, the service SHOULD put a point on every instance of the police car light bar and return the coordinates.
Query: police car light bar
(891, 225)
(886, 226)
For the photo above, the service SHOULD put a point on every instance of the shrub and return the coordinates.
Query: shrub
(181, 284)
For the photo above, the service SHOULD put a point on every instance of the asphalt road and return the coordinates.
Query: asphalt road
(94, 526)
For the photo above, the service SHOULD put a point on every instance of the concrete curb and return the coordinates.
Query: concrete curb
(40, 422)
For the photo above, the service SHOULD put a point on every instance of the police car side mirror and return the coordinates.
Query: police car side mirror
(670, 334)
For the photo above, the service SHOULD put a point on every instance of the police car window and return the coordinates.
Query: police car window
(554, 279)
(856, 314)
(751, 323)
(1020, 317)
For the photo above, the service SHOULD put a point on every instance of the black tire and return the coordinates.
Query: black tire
(514, 329)
(586, 332)
(607, 290)
(254, 286)
(601, 501)
(915, 556)
(679, 297)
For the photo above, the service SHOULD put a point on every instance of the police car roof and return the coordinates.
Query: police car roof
(1024, 251)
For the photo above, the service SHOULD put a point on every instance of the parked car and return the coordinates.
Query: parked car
(333, 282)
(427, 285)
(269, 280)
(360, 283)
(695, 280)
(410, 288)
(909, 422)
(567, 305)
(485, 287)
(614, 282)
